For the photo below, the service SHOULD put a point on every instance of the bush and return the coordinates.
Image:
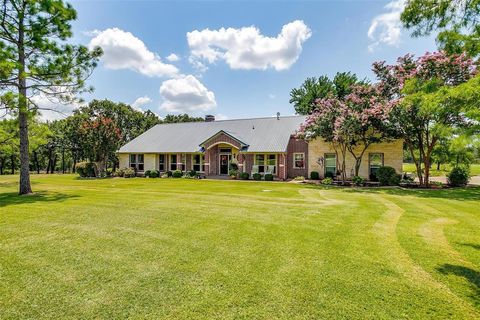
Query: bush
(192, 173)
(327, 181)
(154, 174)
(169, 173)
(458, 177)
(129, 173)
(110, 172)
(85, 169)
(329, 175)
(314, 175)
(244, 176)
(121, 172)
(147, 174)
(164, 175)
(257, 176)
(268, 177)
(358, 181)
(233, 173)
(387, 176)
(177, 174)
(299, 178)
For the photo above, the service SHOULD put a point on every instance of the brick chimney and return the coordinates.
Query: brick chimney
(209, 118)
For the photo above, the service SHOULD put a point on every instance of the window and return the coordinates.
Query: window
(299, 160)
(225, 150)
(272, 162)
(136, 162)
(198, 162)
(375, 161)
(260, 162)
(161, 162)
(173, 162)
(330, 165)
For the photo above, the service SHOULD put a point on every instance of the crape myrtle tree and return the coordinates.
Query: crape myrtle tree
(350, 124)
(35, 60)
(430, 101)
(455, 21)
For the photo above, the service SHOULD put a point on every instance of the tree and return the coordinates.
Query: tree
(171, 118)
(350, 124)
(313, 89)
(457, 23)
(430, 101)
(35, 60)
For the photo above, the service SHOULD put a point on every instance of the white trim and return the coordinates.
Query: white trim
(229, 155)
(201, 164)
(217, 143)
(303, 156)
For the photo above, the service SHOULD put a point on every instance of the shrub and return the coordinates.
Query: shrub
(177, 174)
(244, 176)
(257, 176)
(299, 178)
(154, 174)
(110, 172)
(327, 181)
(129, 173)
(358, 181)
(458, 177)
(329, 175)
(268, 177)
(387, 176)
(121, 172)
(192, 173)
(314, 175)
(147, 173)
(85, 169)
(169, 173)
(233, 173)
(164, 175)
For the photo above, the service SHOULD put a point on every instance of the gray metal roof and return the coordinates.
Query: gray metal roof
(261, 135)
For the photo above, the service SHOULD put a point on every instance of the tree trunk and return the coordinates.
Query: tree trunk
(54, 164)
(12, 163)
(438, 166)
(35, 159)
(25, 187)
(63, 160)
(2, 161)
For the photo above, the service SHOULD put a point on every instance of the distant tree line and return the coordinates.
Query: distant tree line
(92, 133)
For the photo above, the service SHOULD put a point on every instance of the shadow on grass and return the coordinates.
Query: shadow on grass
(469, 193)
(471, 245)
(471, 275)
(12, 198)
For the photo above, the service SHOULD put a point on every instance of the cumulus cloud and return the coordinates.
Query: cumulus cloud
(141, 102)
(122, 50)
(186, 94)
(386, 28)
(51, 109)
(247, 48)
(172, 57)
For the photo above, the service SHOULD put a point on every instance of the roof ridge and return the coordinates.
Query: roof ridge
(238, 119)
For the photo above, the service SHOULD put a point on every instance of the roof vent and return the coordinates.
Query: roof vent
(278, 115)
(209, 118)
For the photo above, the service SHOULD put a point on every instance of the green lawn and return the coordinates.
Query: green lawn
(444, 169)
(188, 249)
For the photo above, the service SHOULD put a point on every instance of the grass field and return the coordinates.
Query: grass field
(183, 249)
(444, 169)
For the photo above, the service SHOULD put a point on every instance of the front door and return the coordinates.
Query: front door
(224, 163)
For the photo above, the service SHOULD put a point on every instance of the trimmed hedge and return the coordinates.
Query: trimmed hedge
(257, 176)
(244, 176)
(314, 175)
(458, 177)
(177, 174)
(358, 181)
(387, 176)
(85, 169)
(192, 173)
(154, 174)
(268, 177)
(129, 173)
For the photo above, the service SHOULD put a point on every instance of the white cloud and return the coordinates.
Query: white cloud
(51, 109)
(172, 57)
(386, 28)
(141, 102)
(186, 94)
(122, 50)
(247, 48)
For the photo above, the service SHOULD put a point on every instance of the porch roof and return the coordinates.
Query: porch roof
(257, 135)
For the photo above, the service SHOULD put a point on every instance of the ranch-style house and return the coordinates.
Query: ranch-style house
(263, 145)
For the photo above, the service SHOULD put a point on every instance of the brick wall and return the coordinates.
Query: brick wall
(222, 138)
(297, 146)
(392, 154)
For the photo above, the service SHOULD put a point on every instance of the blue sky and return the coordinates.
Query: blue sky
(233, 73)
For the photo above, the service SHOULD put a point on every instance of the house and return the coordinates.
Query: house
(256, 145)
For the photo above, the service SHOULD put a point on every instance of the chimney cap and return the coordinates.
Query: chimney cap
(209, 118)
